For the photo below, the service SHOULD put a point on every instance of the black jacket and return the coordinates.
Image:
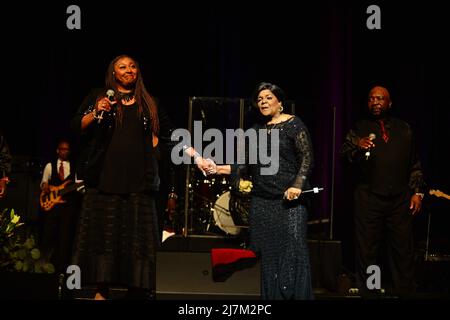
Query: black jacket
(95, 139)
(392, 167)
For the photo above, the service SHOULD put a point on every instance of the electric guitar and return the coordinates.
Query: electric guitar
(55, 196)
(439, 193)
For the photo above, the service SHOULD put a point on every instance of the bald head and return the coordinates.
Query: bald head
(380, 91)
(379, 101)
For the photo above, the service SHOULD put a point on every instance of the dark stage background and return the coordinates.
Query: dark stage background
(321, 54)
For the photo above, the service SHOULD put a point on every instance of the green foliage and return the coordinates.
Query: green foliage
(18, 254)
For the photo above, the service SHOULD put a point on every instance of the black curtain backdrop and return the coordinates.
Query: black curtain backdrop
(321, 53)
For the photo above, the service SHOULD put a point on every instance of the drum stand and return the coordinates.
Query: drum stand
(210, 218)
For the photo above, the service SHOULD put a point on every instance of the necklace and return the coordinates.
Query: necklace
(270, 127)
(127, 96)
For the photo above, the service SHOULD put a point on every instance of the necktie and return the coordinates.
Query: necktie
(61, 170)
(384, 134)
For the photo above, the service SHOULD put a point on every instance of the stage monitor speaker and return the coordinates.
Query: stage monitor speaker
(23, 196)
(24, 189)
(188, 275)
(433, 276)
(29, 286)
(326, 263)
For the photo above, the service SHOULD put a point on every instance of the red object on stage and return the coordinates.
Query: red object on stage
(226, 261)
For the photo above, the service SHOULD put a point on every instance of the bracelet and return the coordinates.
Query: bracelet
(195, 154)
(196, 157)
(95, 115)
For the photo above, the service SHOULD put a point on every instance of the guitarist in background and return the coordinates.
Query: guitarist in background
(59, 222)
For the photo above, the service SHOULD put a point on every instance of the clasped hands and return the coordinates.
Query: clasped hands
(206, 166)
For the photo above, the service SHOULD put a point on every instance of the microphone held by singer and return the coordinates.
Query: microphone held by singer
(105, 104)
(366, 143)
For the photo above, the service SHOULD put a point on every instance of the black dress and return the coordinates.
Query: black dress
(117, 234)
(278, 227)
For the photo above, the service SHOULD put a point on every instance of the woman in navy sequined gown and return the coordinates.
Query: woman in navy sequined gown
(278, 214)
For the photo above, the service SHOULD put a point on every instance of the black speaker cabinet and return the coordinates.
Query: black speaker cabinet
(326, 263)
(188, 275)
(24, 189)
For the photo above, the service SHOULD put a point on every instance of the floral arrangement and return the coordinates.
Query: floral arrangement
(18, 254)
(245, 186)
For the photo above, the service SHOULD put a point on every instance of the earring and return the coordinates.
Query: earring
(281, 108)
(114, 73)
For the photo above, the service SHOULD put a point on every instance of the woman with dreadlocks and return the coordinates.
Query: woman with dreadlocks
(117, 234)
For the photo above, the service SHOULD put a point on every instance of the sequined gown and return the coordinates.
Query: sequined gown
(277, 226)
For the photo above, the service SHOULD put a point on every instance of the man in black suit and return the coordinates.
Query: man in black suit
(388, 193)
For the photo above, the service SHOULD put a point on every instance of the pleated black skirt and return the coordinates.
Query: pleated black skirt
(116, 240)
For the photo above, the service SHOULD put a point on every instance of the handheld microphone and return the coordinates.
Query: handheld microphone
(110, 94)
(372, 137)
(312, 190)
(315, 190)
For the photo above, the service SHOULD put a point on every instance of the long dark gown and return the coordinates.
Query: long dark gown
(277, 226)
(117, 234)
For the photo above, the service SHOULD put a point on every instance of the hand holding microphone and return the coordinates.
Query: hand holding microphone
(366, 143)
(105, 104)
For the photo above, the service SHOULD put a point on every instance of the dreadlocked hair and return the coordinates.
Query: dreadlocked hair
(144, 99)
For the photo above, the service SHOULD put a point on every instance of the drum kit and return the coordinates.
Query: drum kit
(216, 208)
